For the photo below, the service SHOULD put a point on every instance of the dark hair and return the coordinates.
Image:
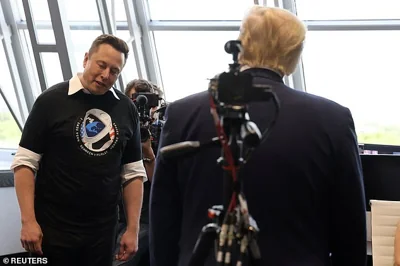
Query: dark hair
(142, 85)
(117, 43)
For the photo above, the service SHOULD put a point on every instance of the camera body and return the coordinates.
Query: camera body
(150, 127)
(236, 88)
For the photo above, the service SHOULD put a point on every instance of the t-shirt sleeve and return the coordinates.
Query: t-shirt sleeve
(32, 143)
(132, 163)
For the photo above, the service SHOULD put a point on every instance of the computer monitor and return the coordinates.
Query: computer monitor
(381, 177)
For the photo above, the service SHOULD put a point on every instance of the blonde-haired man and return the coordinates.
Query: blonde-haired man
(304, 184)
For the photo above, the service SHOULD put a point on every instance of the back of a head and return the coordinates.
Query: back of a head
(271, 38)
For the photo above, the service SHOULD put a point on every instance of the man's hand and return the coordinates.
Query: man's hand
(31, 237)
(128, 245)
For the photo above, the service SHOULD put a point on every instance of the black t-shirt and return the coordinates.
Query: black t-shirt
(85, 140)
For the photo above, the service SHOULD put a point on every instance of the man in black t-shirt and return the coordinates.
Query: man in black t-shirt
(142, 257)
(82, 140)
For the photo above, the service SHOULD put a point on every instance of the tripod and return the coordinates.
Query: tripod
(232, 231)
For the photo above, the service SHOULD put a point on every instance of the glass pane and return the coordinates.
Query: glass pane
(10, 134)
(45, 36)
(30, 60)
(40, 10)
(89, 6)
(117, 8)
(82, 40)
(355, 69)
(7, 85)
(41, 15)
(130, 71)
(199, 10)
(52, 68)
(348, 9)
(191, 59)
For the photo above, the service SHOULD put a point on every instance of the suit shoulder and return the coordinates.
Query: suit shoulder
(192, 101)
(321, 104)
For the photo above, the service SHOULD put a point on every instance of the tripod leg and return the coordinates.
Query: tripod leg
(204, 244)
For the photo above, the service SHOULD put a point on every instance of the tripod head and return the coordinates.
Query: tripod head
(232, 230)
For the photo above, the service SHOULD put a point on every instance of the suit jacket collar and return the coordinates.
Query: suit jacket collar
(265, 73)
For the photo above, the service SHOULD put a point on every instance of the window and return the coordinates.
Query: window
(356, 69)
(130, 71)
(9, 131)
(204, 57)
(52, 68)
(82, 10)
(30, 60)
(41, 15)
(82, 40)
(116, 8)
(7, 85)
(40, 10)
(199, 10)
(345, 9)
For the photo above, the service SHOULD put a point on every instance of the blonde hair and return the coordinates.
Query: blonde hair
(272, 38)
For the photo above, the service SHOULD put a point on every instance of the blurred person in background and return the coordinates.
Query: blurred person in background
(141, 258)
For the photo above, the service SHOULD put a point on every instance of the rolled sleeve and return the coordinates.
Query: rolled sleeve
(133, 170)
(27, 158)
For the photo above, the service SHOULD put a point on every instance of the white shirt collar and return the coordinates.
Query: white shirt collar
(75, 85)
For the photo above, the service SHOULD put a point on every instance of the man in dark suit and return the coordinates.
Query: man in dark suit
(304, 184)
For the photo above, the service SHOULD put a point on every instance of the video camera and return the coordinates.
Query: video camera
(149, 126)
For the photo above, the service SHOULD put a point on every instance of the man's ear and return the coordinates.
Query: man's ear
(85, 59)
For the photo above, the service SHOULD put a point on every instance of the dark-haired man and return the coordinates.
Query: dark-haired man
(82, 140)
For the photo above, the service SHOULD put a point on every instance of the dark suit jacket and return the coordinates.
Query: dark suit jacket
(304, 184)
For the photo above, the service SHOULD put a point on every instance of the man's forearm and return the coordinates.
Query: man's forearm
(149, 166)
(133, 197)
(149, 163)
(24, 183)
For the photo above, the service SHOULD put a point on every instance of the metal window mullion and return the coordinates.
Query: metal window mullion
(113, 15)
(194, 25)
(278, 3)
(312, 25)
(47, 48)
(63, 38)
(297, 76)
(105, 21)
(149, 46)
(10, 109)
(137, 45)
(20, 62)
(13, 69)
(345, 25)
(108, 27)
(33, 36)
